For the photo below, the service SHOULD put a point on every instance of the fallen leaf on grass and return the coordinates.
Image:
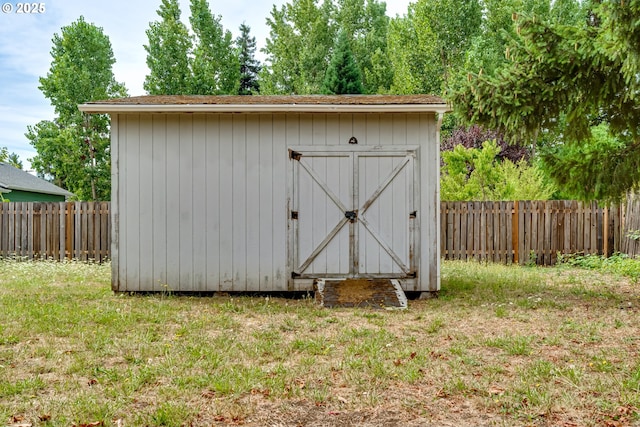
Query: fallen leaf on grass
(493, 390)
(93, 424)
(209, 394)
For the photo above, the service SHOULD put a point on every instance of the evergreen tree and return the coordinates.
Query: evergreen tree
(249, 66)
(167, 53)
(214, 66)
(343, 75)
(564, 78)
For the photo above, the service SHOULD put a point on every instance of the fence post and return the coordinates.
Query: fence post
(514, 231)
(605, 232)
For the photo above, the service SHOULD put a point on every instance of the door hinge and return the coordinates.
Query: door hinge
(294, 155)
(413, 214)
(294, 214)
(412, 274)
(294, 275)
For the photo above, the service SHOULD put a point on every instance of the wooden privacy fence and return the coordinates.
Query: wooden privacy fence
(528, 231)
(504, 232)
(65, 230)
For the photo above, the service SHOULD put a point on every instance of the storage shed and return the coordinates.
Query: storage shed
(269, 193)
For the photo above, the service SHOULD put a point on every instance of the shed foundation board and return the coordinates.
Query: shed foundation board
(372, 293)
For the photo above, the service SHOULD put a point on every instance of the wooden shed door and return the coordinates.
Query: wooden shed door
(353, 212)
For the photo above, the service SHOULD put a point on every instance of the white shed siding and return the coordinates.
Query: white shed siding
(200, 200)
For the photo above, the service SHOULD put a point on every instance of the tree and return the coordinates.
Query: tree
(430, 42)
(343, 74)
(73, 149)
(559, 81)
(366, 25)
(475, 136)
(10, 158)
(214, 67)
(302, 38)
(249, 66)
(480, 174)
(167, 53)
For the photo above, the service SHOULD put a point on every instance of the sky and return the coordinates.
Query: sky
(25, 45)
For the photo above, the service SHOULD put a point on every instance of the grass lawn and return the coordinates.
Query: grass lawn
(503, 346)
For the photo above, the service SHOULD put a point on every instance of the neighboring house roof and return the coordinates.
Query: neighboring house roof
(12, 178)
(270, 103)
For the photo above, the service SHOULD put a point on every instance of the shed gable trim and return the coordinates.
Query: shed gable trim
(264, 108)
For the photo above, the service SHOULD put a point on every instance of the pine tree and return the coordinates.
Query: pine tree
(343, 75)
(249, 66)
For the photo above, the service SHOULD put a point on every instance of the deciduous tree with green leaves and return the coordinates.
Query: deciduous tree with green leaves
(562, 79)
(301, 35)
(214, 64)
(479, 174)
(73, 149)
(168, 51)
(10, 158)
(430, 42)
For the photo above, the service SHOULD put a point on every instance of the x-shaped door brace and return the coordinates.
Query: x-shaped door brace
(353, 215)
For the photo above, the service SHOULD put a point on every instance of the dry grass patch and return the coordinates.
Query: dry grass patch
(501, 346)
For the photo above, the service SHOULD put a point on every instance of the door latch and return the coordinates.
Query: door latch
(351, 215)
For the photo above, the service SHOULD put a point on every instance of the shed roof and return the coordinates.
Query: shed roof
(269, 103)
(12, 178)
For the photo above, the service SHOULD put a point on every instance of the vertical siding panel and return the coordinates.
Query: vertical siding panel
(386, 129)
(346, 129)
(266, 229)
(369, 250)
(115, 204)
(279, 200)
(214, 181)
(320, 200)
(239, 206)
(130, 156)
(400, 129)
(160, 206)
(333, 257)
(429, 202)
(360, 128)
(173, 208)
(319, 132)
(185, 201)
(254, 187)
(147, 186)
(304, 134)
(320, 209)
(226, 202)
(372, 129)
(199, 202)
